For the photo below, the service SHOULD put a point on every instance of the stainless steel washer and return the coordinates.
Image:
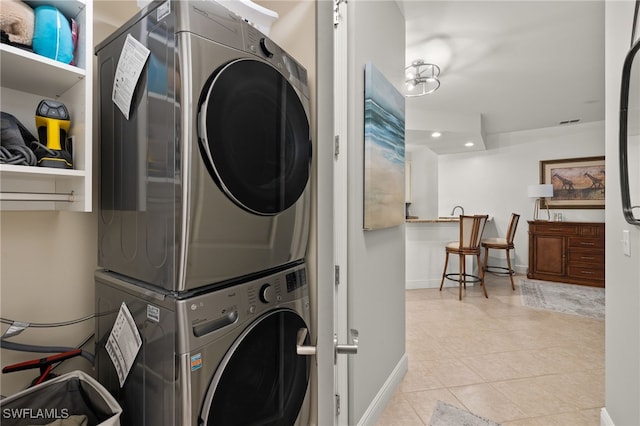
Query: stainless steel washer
(227, 357)
(207, 181)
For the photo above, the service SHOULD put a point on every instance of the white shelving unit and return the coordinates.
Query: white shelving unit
(25, 79)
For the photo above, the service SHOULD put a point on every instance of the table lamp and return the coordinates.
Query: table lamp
(539, 192)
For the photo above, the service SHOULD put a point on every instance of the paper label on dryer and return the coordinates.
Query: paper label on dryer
(163, 11)
(133, 57)
(196, 362)
(153, 313)
(124, 343)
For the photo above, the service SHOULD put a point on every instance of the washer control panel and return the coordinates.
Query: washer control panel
(212, 313)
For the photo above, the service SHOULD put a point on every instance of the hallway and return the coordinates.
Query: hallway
(498, 359)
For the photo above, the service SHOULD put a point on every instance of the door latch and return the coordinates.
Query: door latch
(351, 349)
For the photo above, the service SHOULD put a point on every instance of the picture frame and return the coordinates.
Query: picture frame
(578, 183)
(384, 156)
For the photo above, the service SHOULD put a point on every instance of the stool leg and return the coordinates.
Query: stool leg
(486, 258)
(462, 277)
(446, 260)
(481, 273)
(511, 271)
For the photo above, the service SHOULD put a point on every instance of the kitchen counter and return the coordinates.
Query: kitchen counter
(424, 247)
(438, 220)
(425, 241)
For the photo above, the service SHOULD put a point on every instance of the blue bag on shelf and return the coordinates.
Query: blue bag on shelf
(52, 34)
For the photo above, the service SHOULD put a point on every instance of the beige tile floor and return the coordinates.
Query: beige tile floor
(498, 359)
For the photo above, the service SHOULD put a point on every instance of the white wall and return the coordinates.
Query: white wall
(48, 260)
(622, 364)
(376, 274)
(424, 180)
(495, 181)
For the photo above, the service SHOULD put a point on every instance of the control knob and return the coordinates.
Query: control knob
(267, 46)
(266, 293)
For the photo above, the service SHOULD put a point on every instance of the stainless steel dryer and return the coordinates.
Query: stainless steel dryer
(227, 357)
(207, 180)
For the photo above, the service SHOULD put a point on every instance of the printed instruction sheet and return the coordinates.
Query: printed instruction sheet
(130, 65)
(124, 343)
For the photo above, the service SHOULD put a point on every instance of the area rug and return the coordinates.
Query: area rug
(449, 415)
(568, 298)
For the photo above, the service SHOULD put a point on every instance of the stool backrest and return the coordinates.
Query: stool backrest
(471, 229)
(513, 224)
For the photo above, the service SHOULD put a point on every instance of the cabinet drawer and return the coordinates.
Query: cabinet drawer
(580, 242)
(586, 272)
(558, 228)
(592, 230)
(588, 256)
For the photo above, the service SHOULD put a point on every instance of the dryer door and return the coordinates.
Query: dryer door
(261, 380)
(254, 136)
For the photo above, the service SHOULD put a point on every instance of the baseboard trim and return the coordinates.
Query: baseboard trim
(605, 419)
(384, 395)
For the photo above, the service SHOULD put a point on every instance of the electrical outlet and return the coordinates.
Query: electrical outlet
(625, 243)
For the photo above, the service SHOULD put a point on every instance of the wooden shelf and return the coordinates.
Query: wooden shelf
(26, 78)
(8, 170)
(28, 72)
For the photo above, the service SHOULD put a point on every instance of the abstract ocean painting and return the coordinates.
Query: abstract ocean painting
(384, 182)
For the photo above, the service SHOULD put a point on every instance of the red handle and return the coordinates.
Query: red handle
(42, 362)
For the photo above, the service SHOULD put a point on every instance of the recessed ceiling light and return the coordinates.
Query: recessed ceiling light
(469, 144)
(436, 134)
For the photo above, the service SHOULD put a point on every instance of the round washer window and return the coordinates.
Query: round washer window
(263, 380)
(254, 135)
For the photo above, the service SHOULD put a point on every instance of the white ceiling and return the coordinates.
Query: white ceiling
(517, 65)
(506, 65)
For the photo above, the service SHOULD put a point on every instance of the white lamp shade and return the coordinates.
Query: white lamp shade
(538, 191)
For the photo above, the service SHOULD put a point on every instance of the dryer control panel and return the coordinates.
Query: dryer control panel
(259, 44)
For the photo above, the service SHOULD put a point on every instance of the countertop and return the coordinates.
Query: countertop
(438, 220)
(441, 219)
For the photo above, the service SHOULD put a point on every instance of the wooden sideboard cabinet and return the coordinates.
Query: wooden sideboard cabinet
(570, 252)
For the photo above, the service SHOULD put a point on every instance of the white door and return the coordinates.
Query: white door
(332, 215)
(343, 337)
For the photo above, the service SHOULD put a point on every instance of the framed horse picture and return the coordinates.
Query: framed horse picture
(578, 183)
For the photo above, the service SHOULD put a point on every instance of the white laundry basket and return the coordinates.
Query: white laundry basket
(62, 401)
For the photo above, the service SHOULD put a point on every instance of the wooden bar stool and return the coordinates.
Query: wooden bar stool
(471, 228)
(502, 244)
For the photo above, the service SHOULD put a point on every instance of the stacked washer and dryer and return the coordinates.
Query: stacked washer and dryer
(203, 221)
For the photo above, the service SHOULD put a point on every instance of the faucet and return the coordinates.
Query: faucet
(456, 207)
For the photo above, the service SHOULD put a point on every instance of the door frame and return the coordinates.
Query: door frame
(331, 211)
(326, 404)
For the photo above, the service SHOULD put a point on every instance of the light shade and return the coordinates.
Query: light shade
(538, 191)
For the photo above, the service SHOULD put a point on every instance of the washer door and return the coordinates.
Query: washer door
(261, 380)
(254, 136)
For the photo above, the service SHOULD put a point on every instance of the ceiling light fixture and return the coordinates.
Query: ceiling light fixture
(436, 134)
(469, 144)
(421, 78)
